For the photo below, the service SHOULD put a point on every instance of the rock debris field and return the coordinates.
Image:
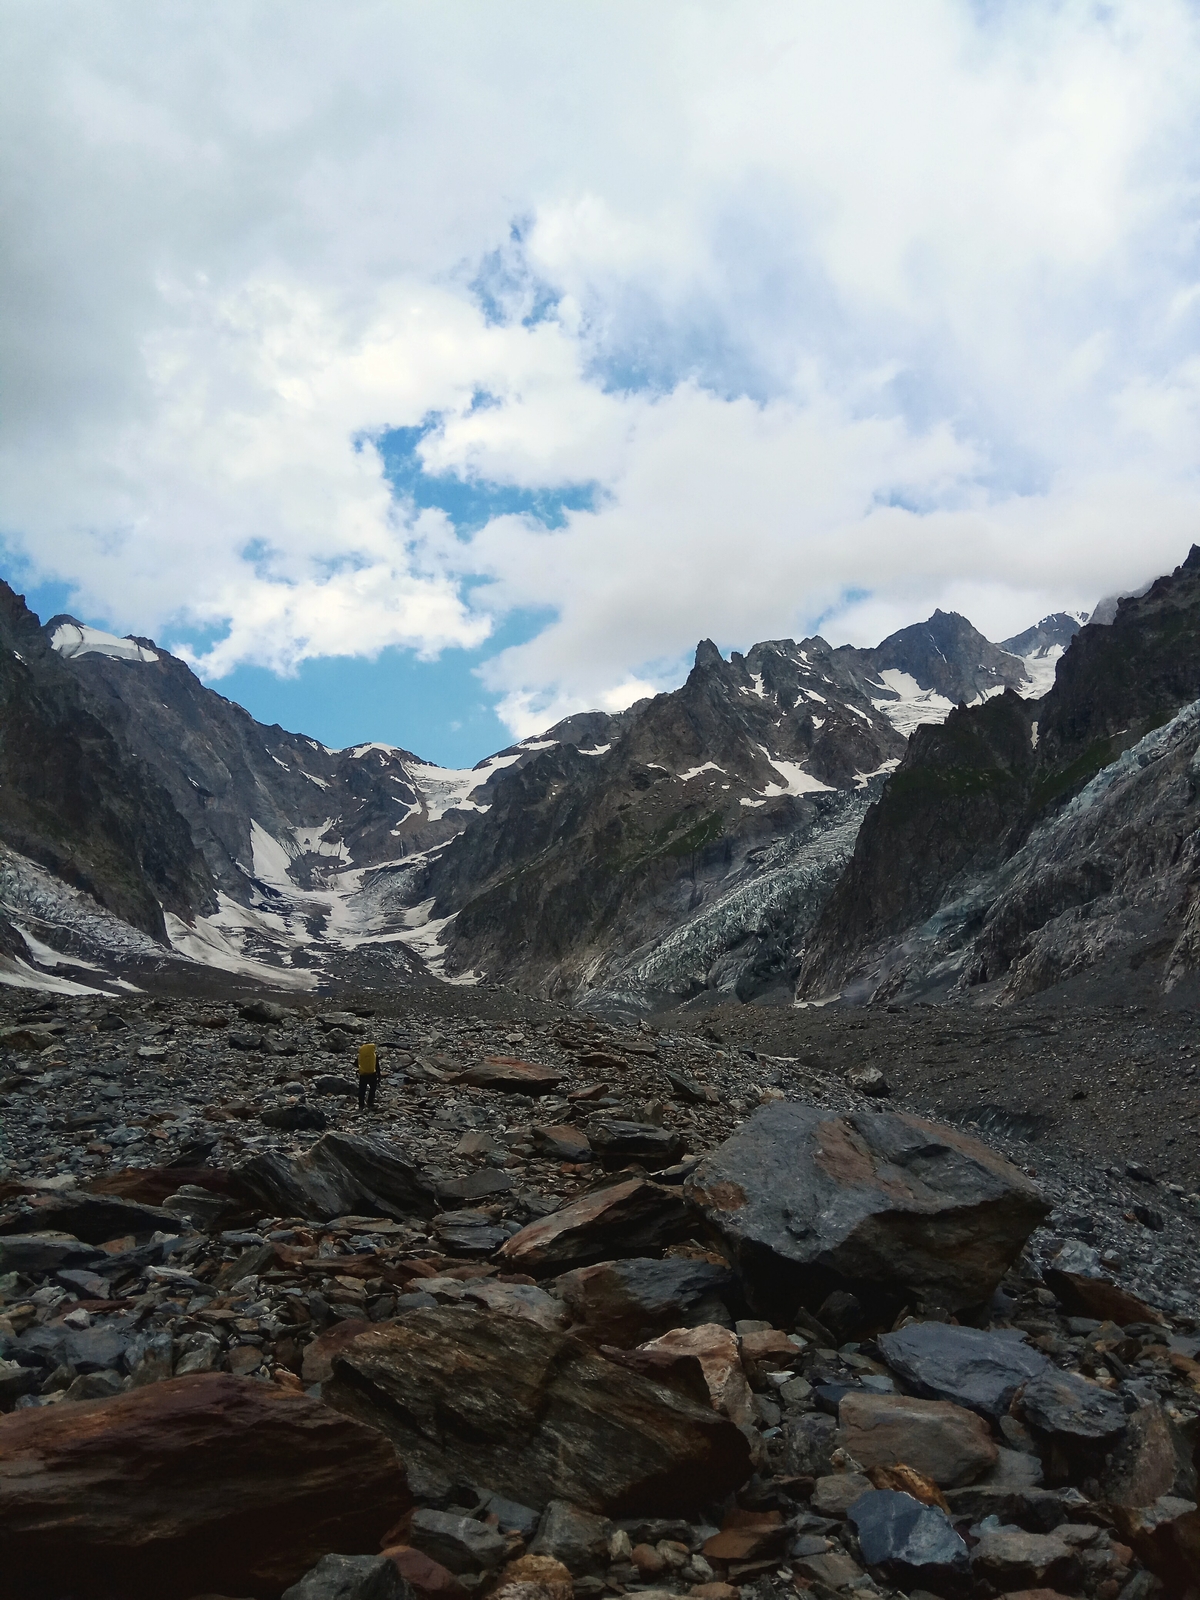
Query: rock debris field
(578, 1309)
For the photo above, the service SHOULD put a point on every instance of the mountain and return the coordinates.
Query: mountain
(1021, 842)
(1040, 647)
(675, 853)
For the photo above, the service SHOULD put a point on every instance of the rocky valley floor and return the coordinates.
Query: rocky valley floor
(626, 1330)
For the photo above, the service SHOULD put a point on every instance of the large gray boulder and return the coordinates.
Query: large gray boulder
(880, 1203)
(977, 1368)
(341, 1174)
(908, 1543)
(534, 1414)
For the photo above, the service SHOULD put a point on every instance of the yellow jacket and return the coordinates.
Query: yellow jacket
(367, 1065)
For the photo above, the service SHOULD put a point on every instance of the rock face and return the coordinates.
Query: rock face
(878, 1203)
(634, 1216)
(339, 1175)
(200, 1483)
(533, 1414)
(981, 825)
(970, 1366)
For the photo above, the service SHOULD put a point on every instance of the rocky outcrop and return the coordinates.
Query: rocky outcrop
(882, 1205)
(1024, 842)
(74, 800)
(534, 1414)
(207, 1483)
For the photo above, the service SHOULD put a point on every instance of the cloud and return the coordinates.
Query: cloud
(845, 312)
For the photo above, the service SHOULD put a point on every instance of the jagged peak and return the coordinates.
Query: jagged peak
(707, 654)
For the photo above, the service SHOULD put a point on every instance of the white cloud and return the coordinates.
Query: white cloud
(876, 297)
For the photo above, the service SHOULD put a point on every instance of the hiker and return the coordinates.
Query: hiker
(368, 1076)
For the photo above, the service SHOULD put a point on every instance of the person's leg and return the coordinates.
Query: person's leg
(373, 1082)
(362, 1092)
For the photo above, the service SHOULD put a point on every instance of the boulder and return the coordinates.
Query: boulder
(328, 1083)
(562, 1142)
(809, 1444)
(623, 1219)
(534, 1414)
(469, 1233)
(460, 1544)
(1093, 1295)
(1011, 1558)
(350, 1578)
(94, 1349)
(534, 1578)
(480, 1185)
(628, 1302)
(885, 1205)
(1149, 1461)
(317, 1364)
(294, 1119)
(1078, 1420)
(94, 1218)
(1166, 1537)
(937, 1439)
(833, 1496)
(979, 1369)
(38, 1254)
(907, 1543)
(200, 1483)
(339, 1175)
(577, 1538)
(510, 1075)
(616, 1144)
(264, 1012)
(198, 1208)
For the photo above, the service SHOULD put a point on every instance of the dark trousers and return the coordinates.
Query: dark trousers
(368, 1082)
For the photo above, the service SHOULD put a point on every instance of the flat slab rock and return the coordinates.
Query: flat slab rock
(623, 1219)
(972, 1367)
(509, 1075)
(807, 1201)
(534, 1414)
(205, 1483)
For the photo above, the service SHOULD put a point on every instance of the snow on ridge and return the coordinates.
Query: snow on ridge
(694, 772)
(598, 750)
(74, 639)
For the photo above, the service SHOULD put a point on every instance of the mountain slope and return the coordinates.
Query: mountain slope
(690, 855)
(1010, 818)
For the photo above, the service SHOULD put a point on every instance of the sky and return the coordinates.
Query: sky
(425, 373)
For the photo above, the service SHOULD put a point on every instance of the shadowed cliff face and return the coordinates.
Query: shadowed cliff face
(73, 800)
(979, 824)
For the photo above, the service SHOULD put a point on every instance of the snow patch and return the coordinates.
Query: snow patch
(599, 750)
(862, 779)
(1041, 667)
(694, 772)
(73, 639)
(912, 705)
(795, 779)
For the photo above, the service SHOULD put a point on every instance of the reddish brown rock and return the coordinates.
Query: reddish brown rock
(936, 1439)
(633, 1218)
(205, 1483)
(319, 1354)
(533, 1578)
(428, 1577)
(1099, 1298)
(534, 1414)
(511, 1076)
